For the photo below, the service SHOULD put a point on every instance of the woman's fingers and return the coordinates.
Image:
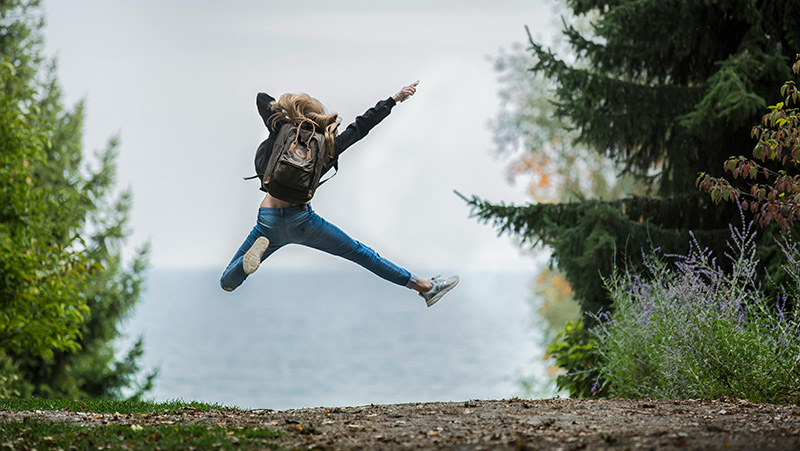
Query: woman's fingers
(407, 92)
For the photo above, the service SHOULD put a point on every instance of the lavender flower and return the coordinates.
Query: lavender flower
(686, 328)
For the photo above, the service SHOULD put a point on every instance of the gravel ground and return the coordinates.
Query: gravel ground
(569, 424)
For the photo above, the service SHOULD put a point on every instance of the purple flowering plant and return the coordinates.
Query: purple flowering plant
(686, 328)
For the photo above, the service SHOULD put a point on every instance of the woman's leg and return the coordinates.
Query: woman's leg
(235, 273)
(319, 234)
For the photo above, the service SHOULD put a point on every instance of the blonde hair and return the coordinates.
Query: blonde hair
(299, 107)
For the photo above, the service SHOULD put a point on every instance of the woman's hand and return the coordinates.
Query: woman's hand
(406, 92)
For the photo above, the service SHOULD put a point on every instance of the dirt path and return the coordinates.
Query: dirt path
(569, 424)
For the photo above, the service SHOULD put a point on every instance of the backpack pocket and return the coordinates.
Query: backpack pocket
(295, 170)
(295, 165)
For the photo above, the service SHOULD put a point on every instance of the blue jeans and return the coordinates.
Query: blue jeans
(300, 225)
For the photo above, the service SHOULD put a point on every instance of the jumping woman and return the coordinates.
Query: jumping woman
(281, 222)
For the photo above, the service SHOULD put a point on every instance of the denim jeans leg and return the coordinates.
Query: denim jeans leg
(331, 239)
(234, 274)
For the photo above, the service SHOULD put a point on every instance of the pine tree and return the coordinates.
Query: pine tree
(61, 228)
(666, 89)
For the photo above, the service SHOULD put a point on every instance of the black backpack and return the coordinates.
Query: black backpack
(294, 168)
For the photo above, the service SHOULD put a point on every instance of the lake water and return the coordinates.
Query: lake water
(293, 339)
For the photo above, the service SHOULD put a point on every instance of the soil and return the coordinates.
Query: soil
(569, 424)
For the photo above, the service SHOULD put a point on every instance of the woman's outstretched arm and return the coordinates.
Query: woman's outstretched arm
(364, 123)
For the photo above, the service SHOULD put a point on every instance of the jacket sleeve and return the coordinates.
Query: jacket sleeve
(362, 125)
(263, 102)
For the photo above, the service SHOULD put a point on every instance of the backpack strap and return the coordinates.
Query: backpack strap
(297, 136)
(335, 171)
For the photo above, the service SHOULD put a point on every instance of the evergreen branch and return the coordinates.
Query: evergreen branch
(588, 238)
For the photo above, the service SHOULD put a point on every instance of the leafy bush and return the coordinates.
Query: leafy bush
(691, 330)
(774, 194)
(64, 285)
(575, 351)
(9, 378)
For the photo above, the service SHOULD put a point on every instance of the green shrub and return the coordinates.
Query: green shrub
(575, 351)
(689, 329)
(9, 378)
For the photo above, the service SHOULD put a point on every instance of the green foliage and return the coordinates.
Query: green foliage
(773, 194)
(575, 351)
(664, 89)
(63, 286)
(41, 282)
(9, 378)
(589, 238)
(46, 435)
(689, 329)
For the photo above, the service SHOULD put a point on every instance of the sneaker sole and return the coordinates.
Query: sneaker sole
(439, 295)
(252, 258)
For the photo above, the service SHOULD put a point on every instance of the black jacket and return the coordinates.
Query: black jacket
(355, 131)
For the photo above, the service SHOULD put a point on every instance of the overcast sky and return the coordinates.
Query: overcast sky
(177, 81)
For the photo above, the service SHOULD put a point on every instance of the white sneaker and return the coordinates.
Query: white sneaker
(252, 258)
(440, 288)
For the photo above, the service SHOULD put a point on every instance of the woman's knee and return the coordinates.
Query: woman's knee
(224, 286)
(228, 281)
